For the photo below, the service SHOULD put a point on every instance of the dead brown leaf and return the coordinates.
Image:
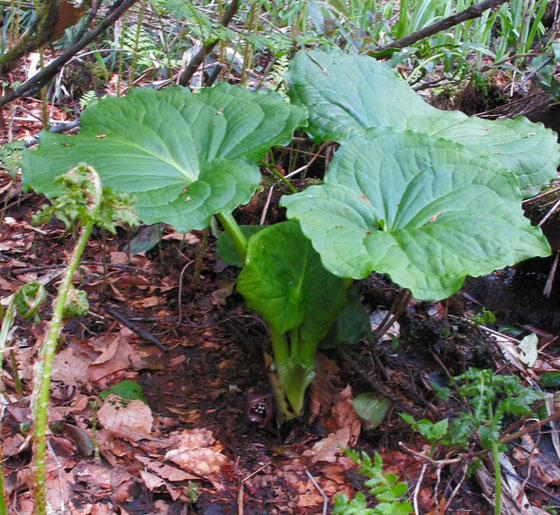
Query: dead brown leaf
(148, 302)
(344, 416)
(70, 367)
(116, 354)
(187, 238)
(152, 481)
(165, 471)
(323, 388)
(13, 445)
(328, 449)
(133, 417)
(198, 452)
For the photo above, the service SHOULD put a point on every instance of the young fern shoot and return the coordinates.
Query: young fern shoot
(26, 303)
(82, 199)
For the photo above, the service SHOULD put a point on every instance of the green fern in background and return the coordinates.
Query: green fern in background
(10, 155)
(88, 98)
(276, 76)
(385, 487)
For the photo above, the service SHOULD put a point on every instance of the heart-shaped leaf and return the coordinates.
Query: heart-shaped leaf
(346, 94)
(184, 156)
(284, 281)
(422, 210)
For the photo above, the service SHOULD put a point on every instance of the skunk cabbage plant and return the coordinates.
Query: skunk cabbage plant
(424, 195)
(284, 281)
(425, 211)
(184, 156)
(347, 94)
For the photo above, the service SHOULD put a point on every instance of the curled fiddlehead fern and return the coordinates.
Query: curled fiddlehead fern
(76, 305)
(29, 299)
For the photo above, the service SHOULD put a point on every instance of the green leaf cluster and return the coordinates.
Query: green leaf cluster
(491, 397)
(434, 432)
(348, 94)
(10, 156)
(423, 210)
(484, 317)
(385, 487)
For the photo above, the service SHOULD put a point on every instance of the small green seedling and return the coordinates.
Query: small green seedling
(484, 317)
(126, 390)
(491, 398)
(434, 432)
(385, 487)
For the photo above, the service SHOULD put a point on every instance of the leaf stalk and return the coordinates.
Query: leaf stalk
(232, 228)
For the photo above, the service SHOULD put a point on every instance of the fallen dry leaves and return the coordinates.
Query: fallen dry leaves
(197, 451)
(133, 418)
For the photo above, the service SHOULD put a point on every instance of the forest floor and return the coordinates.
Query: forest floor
(197, 445)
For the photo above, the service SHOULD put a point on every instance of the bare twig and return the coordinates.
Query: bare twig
(437, 464)
(541, 195)
(417, 488)
(529, 429)
(532, 485)
(397, 309)
(143, 334)
(186, 74)
(550, 279)
(29, 269)
(180, 294)
(553, 209)
(320, 490)
(474, 11)
(457, 488)
(266, 205)
(56, 129)
(41, 78)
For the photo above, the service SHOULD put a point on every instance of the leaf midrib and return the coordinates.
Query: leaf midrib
(173, 163)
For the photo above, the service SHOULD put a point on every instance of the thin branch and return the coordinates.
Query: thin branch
(140, 332)
(533, 427)
(186, 75)
(36, 36)
(56, 129)
(474, 11)
(41, 78)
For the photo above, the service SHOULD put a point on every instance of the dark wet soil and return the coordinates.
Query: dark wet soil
(515, 295)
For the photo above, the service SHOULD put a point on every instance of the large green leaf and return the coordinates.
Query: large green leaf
(184, 156)
(284, 281)
(423, 210)
(346, 94)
